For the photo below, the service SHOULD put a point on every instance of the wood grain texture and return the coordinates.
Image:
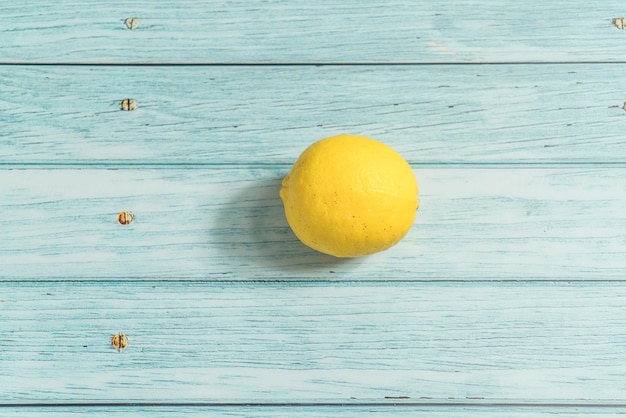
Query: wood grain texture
(473, 224)
(314, 411)
(517, 114)
(347, 411)
(558, 344)
(506, 298)
(299, 31)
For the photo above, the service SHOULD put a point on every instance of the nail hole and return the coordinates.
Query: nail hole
(119, 341)
(128, 104)
(125, 218)
(132, 23)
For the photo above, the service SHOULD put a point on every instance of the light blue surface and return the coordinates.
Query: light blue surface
(505, 299)
(295, 31)
(441, 114)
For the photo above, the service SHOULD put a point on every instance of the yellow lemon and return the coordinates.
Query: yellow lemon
(349, 196)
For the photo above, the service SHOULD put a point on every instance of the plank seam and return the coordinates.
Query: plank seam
(285, 165)
(394, 403)
(303, 64)
(469, 281)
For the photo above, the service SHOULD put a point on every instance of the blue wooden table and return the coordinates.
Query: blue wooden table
(507, 297)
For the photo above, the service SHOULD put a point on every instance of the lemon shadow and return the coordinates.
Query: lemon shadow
(255, 239)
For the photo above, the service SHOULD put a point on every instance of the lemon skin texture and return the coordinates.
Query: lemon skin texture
(350, 196)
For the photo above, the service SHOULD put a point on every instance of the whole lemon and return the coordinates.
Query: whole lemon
(349, 196)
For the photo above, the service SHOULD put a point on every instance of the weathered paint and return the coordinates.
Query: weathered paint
(506, 298)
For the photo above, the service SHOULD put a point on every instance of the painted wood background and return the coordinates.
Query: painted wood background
(506, 298)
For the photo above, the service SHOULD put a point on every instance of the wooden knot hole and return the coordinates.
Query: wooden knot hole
(132, 23)
(125, 218)
(619, 22)
(128, 104)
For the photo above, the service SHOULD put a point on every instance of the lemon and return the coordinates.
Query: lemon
(350, 196)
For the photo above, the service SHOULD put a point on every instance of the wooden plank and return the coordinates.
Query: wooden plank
(299, 31)
(528, 343)
(313, 411)
(228, 224)
(268, 115)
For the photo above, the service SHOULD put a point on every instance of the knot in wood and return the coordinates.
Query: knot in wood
(132, 23)
(129, 104)
(619, 22)
(125, 218)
